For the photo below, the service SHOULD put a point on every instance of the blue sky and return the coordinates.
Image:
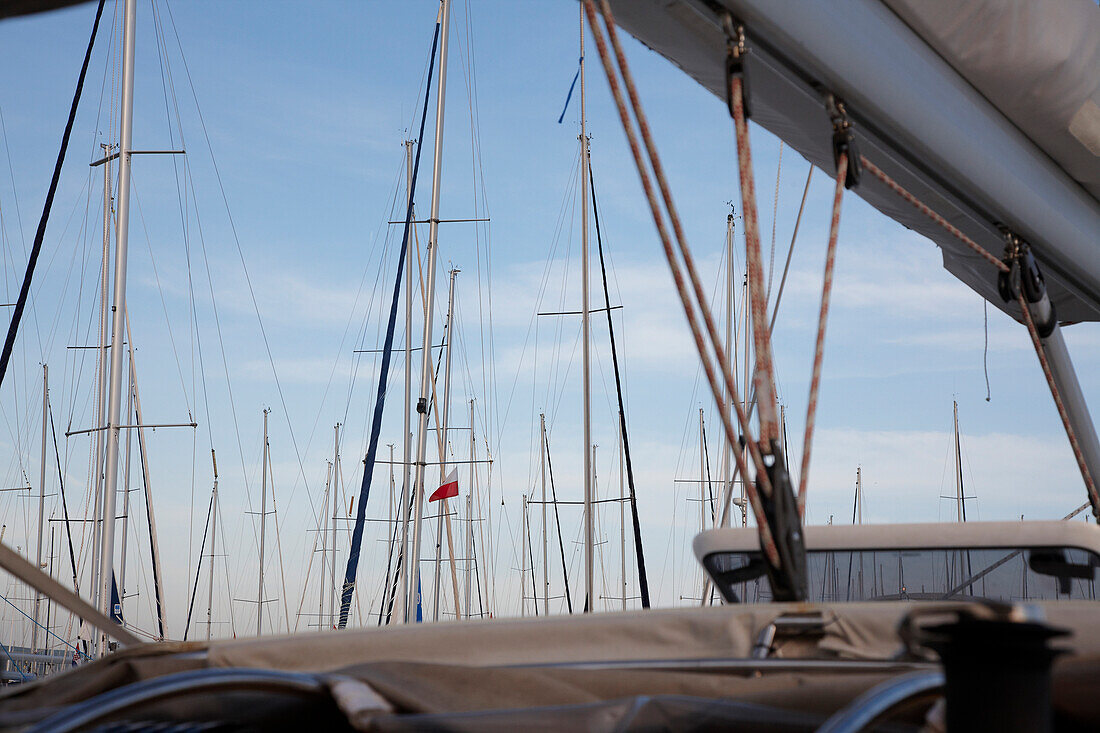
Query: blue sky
(306, 108)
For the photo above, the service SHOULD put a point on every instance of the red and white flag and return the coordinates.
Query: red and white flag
(448, 489)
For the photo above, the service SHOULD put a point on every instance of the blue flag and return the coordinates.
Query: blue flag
(571, 86)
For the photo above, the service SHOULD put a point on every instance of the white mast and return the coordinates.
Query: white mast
(545, 561)
(406, 441)
(622, 521)
(154, 544)
(41, 501)
(586, 388)
(126, 489)
(745, 386)
(413, 596)
(960, 506)
(101, 380)
(469, 517)
(263, 527)
(731, 359)
(469, 549)
(337, 502)
(114, 399)
(448, 328)
(523, 560)
(213, 545)
(702, 496)
(392, 527)
(324, 544)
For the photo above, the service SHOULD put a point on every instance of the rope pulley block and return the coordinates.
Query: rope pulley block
(844, 140)
(788, 581)
(1024, 276)
(735, 63)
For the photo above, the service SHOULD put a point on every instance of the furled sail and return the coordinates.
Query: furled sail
(988, 111)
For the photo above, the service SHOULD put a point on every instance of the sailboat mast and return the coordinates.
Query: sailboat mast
(447, 329)
(406, 441)
(859, 495)
(263, 533)
(731, 359)
(114, 399)
(960, 502)
(586, 388)
(213, 545)
(101, 375)
(143, 454)
(545, 545)
(523, 561)
(470, 566)
(413, 597)
(335, 505)
(41, 502)
(622, 523)
(745, 387)
(324, 544)
(126, 490)
(703, 494)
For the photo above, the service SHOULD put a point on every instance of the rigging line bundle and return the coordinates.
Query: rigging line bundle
(767, 541)
(823, 317)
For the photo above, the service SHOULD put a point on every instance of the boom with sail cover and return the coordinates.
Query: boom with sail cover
(987, 111)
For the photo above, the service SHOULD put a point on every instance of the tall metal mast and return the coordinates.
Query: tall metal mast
(114, 399)
(263, 527)
(324, 543)
(336, 503)
(469, 549)
(143, 453)
(469, 518)
(703, 496)
(622, 523)
(523, 561)
(731, 359)
(443, 443)
(412, 598)
(960, 501)
(545, 561)
(406, 441)
(213, 545)
(101, 377)
(126, 490)
(41, 501)
(586, 388)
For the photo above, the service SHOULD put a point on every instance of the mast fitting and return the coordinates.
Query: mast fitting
(735, 62)
(788, 580)
(1024, 276)
(844, 139)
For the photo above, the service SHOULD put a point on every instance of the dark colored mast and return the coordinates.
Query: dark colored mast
(643, 582)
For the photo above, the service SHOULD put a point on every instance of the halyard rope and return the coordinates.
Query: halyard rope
(764, 380)
(896, 188)
(767, 541)
(1071, 434)
(1094, 498)
(823, 317)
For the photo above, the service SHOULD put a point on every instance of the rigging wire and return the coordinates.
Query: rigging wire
(36, 248)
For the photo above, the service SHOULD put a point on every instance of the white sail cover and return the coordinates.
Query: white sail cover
(986, 110)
